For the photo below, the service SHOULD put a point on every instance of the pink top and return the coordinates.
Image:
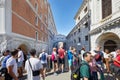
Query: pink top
(93, 66)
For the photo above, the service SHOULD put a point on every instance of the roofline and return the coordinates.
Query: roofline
(79, 10)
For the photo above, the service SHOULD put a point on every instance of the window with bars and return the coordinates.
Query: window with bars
(79, 18)
(36, 7)
(36, 36)
(74, 41)
(79, 30)
(85, 10)
(36, 21)
(86, 38)
(106, 8)
(79, 39)
(86, 24)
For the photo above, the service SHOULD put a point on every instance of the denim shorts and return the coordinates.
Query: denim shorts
(70, 62)
(20, 64)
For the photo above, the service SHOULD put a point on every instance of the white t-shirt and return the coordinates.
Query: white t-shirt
(20, 53)
(36, 65)
(106, 55)
(114, 54)
(82, 52)
(40, 56)
(12, 62)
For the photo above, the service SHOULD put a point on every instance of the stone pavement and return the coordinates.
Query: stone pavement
(61, 76)
(51, 76)
(66, 76)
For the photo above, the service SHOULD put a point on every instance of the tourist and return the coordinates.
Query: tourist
(34, 67)
(54, 58)
(106, 57)
(43, 58)
(61, 53)
(85, 68)
(82, 52)
(70, 58)
(20, 62)
(11, 65)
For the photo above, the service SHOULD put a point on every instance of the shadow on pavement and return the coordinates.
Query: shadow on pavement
(110, 77)
(52, 73)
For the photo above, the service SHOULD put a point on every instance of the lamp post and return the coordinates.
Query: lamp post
(78, 45)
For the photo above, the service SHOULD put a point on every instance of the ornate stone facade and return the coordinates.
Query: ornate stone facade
(105, 31)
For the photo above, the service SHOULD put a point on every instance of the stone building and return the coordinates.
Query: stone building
(79, 35)
(23, 23)
(105, 23)
(52, 31)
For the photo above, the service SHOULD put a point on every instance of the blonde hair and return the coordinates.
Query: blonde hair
(54, 49)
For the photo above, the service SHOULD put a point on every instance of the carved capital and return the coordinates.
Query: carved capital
(2, 3)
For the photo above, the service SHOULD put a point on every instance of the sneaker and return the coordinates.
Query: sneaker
(55, 74)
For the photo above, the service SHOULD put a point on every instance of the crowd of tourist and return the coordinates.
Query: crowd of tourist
(91, 63)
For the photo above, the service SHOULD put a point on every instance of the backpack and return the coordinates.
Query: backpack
(76, 72)
(98, 57)
(43, 58)
(4, 71)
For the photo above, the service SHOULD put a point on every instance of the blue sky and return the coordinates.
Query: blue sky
(64, 12)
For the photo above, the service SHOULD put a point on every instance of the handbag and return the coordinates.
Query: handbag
(36, 72)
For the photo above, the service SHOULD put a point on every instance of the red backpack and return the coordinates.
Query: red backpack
(97, 57)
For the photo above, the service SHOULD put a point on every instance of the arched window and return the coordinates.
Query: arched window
(106, 8)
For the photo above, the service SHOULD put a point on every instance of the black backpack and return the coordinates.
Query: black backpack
(76, 72)
(3, 71)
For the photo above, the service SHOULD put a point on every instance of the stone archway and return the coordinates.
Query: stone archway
(57, 44)
(109, 41)
(24, 48)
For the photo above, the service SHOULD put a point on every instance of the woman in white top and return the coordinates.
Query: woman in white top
(12, 65)
(33, 65)
(106, 56)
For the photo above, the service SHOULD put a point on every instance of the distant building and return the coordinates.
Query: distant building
(52, 31)
(105, 23)
(79, 35)
(23, 23)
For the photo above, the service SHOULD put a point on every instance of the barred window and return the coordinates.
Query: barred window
(86, 38)
(106, 8)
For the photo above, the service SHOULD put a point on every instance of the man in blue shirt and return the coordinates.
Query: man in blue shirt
(4, 68)
(7, 56)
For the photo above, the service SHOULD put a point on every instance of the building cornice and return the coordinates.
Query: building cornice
(85, 18)
(31, 6)
(22, 37)
(81, 7)
(107, 25)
